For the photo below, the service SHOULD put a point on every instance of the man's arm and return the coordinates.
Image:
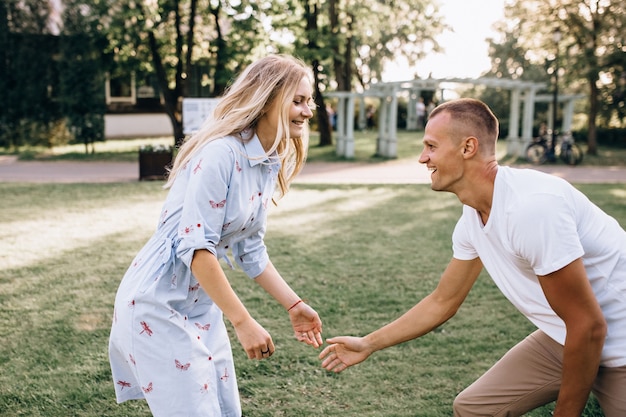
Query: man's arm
(570, 295)
(435, 309)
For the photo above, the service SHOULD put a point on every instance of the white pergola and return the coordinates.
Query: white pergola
(522, 92)
(567, 101)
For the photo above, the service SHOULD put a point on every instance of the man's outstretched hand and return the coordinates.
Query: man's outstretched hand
(343, 352)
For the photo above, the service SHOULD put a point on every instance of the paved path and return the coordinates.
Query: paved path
(410, 171)
(405, 171)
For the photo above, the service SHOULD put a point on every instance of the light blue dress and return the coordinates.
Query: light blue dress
(168, 340)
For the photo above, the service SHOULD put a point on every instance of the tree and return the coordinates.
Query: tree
(593, 26)
(391, 30)
(30, 111)
(590, 52)
(349, 43)
(81, 74)
(612, 92)
(172, 37)
(367, 35)
(509, 59)
(4, 69)
(311, 14)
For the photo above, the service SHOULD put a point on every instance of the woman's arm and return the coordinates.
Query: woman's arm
(255, 340)
(305, 321)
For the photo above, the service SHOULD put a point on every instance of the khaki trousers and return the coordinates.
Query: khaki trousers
(529, 376)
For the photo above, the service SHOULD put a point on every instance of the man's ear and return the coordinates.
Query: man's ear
(470, 147)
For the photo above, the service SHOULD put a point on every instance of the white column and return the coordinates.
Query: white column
(349, 138)
(362, 116)
(411, 117)
(392, 127)
(513, 140)
(568, 115)
(341, 126)
(383, 121)
(529, 114)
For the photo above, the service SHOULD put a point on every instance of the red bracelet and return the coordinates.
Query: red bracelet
(295, 304)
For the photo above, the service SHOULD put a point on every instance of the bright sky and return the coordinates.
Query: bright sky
(465, 49)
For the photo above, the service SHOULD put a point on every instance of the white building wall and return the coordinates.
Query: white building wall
(137, 125)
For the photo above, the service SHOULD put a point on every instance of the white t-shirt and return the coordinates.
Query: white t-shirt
(539, 224)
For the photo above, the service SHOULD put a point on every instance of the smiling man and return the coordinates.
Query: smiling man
(555, 255)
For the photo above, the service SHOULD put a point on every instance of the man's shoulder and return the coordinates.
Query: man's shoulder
(527, 190)
(528, 178)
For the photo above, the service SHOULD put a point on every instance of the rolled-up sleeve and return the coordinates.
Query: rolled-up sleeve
(205, 201)
(251, 254)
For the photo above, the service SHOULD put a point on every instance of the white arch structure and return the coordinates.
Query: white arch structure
(522, 108)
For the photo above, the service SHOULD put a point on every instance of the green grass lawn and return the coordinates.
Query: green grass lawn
(64, 249)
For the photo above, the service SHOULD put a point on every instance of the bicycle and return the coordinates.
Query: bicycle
(538, 152)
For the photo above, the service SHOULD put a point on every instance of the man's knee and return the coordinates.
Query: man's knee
(464, 405)
(472, 404)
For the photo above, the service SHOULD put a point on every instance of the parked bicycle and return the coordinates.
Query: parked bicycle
(538, 152)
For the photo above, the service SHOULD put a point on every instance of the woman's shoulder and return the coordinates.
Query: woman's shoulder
(222, 146)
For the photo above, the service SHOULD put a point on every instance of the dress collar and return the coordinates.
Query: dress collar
(256, 153)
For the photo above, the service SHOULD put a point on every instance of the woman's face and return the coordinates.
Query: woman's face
(299, 113)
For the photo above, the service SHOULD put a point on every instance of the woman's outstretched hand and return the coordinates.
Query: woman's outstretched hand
(343, 352)
(306, 324)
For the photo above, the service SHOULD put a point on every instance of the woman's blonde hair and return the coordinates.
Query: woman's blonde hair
(275, 77)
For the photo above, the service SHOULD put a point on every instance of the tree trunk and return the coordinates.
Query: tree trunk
(311, 12)
(173, 96)
(221, 55)
(592, 77)
(169, 95)
(338, 65)
(592, 141)
(323, 120)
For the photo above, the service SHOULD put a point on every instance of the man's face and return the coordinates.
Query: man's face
(442, 154)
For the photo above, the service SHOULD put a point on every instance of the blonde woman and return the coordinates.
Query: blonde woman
(168, 340)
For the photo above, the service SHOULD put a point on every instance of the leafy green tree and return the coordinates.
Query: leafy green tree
(81, 72)
(613, 90)
(366, 35)
(391, 30)
(170, 38)
(312, 46)
(30, 112)
(509, 59)
(4, 69)
(349, 43)
(590, 52)
(341, 39)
